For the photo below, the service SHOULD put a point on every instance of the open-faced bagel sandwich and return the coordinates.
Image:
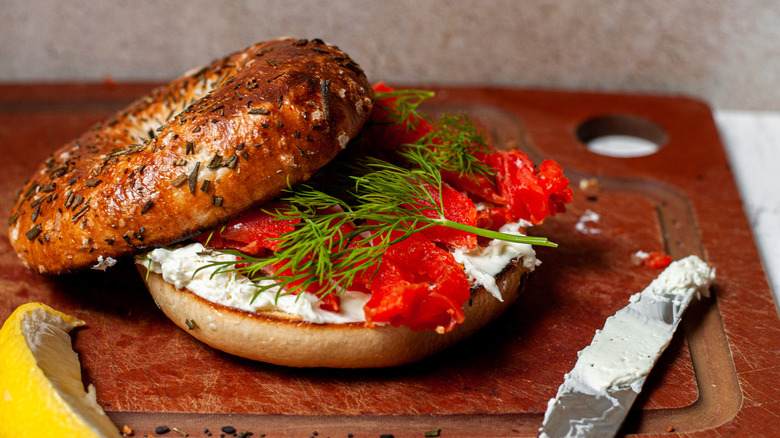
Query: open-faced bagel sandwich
(282, 209)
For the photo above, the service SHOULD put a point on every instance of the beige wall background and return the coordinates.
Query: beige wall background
(724, 52)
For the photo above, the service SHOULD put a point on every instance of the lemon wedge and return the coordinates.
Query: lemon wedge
(41, 393)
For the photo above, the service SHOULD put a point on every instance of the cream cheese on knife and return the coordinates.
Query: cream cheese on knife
(610, 372)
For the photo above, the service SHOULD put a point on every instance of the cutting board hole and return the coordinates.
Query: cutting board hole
(621, 136)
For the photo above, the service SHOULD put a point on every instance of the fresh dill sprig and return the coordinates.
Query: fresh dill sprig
(452, 142)
(451, 146)
(404, 107)
(392, 192)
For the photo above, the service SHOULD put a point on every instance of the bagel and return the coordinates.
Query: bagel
(191, 155)
(284, 339)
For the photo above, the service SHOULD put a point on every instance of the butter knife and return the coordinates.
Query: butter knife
(609, 373)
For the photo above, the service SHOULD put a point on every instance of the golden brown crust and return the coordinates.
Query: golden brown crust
(274, 338)
(191, 154)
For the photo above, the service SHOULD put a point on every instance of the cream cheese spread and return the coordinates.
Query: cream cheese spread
(192, 267)
(483, 263)
(622, 354)
(181, 267)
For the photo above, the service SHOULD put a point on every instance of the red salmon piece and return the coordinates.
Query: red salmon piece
(251, 232)
(530, 194)
(417, 284)
(457, 208)
(479, 186)
(657, 260)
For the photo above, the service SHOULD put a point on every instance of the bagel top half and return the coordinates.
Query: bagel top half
(191, 154)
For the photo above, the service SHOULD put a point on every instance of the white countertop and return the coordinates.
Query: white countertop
(752, 142)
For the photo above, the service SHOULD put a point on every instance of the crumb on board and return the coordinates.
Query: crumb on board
(654, 260)
(591, 188)
(586, 222)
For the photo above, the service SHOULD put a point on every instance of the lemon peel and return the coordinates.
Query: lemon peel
(41, 392)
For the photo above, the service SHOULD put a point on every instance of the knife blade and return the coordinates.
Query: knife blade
(609, 373)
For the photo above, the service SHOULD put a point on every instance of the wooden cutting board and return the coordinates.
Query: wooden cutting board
(718, 378)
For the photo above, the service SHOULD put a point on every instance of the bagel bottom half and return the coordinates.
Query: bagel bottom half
(283, 339)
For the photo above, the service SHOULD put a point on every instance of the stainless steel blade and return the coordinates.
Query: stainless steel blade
(578, 414)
